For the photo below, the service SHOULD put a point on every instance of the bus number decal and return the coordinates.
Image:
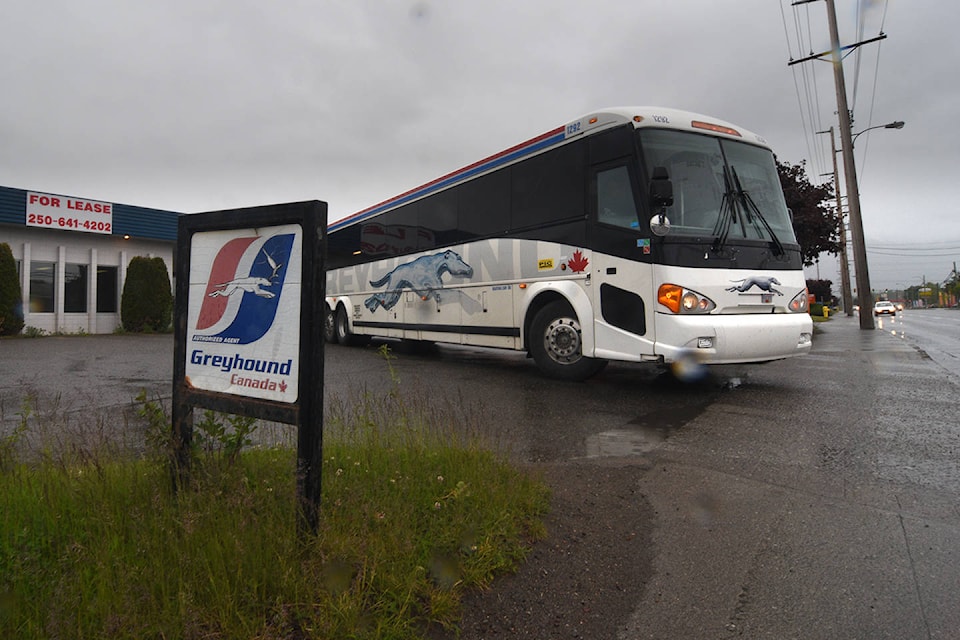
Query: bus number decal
(661, 119)
(573, 128)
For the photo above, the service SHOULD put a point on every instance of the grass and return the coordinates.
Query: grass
(415, 512)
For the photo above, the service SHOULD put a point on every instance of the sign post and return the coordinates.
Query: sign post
(249, 303)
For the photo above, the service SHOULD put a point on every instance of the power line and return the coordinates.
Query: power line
(937, 245)
(911, 255)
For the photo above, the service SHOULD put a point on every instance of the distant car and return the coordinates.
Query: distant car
(899, 306)
(884, 307)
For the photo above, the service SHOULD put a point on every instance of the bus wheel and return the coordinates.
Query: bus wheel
(555, 343)
(342, 327)
(329, 326)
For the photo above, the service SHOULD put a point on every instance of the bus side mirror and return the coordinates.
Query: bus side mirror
(661, 189)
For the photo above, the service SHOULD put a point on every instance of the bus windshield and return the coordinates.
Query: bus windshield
(721, 187)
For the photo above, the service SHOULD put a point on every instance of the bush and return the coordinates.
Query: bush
(147, 302)
(11, 296)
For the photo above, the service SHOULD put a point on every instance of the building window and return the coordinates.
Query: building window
(43, 280)
(106, 289)
(75, 288)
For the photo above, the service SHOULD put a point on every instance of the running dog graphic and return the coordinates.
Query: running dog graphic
(248, 285)
(422, 276)
(764, 283)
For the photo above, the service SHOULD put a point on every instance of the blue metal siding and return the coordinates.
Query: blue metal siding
(140, 222)
(137, 222)
(13, 206)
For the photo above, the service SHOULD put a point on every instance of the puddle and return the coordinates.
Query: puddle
(643, 434)
(618, 443)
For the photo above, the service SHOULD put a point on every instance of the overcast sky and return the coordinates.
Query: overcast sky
(204, 105)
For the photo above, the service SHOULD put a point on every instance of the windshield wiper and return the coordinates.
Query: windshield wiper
(750, 206)
(727, 217)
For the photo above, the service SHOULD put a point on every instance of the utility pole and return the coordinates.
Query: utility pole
(844, 265)
(850, 170)
(864, 294)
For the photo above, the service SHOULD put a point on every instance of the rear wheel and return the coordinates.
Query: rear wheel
(329, 325)
(341, 327)
(556, 346)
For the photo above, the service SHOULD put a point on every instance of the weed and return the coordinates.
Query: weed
(224, 441)
(416, 509)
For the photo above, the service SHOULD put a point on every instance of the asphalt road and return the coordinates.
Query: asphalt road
(935, 331)
(812, 498)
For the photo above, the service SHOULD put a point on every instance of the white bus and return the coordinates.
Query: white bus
(636, 234)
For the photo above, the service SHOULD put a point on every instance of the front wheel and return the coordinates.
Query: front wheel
(555, 344)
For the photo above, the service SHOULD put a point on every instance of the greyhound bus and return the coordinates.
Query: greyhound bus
(636, 234)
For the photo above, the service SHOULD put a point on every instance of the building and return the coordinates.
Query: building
(72, 255)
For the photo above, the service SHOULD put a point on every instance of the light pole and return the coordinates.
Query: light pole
(896, 124)
(844, 267)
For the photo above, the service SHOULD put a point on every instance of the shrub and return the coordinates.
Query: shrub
(11, 296)
(147, 302)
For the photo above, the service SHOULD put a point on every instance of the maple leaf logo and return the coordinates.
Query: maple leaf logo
(578, 263)
(283, 386)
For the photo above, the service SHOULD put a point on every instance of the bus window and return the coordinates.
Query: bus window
(438, 220)
(758, 177)
(548, 188)
(484, 205)
(615, 204)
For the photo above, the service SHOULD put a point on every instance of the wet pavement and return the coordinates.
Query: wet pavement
(820, 500)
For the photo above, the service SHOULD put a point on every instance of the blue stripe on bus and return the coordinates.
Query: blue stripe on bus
(483, 166)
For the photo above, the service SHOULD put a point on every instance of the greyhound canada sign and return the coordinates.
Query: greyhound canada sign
(243, 321)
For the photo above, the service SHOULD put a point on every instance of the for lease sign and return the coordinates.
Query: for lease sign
(72, 214)
(243, 313)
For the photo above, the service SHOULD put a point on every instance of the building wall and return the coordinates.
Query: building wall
(136, 232)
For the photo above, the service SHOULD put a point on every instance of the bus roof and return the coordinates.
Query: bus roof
(640, 117)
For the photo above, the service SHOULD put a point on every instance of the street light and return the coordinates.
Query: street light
(864, 294)
(845, 292)
(896, 124)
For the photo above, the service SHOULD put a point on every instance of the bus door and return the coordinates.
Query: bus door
(622, 290)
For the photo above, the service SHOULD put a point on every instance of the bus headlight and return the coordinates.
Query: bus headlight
(800, 302)
(681, 300)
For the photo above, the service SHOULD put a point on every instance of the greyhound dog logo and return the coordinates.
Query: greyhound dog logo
(422, 276)
(250, 265)
(250, 284)
(764, 283)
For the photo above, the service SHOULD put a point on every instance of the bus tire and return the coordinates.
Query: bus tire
(341, 327)
(329, 325)
(555, 344)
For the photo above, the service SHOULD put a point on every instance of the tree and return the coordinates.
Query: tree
(147, 302)
(822, 290)
(11, 296)
(815, 219)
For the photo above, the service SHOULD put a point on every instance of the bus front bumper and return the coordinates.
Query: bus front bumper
(729, 339)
